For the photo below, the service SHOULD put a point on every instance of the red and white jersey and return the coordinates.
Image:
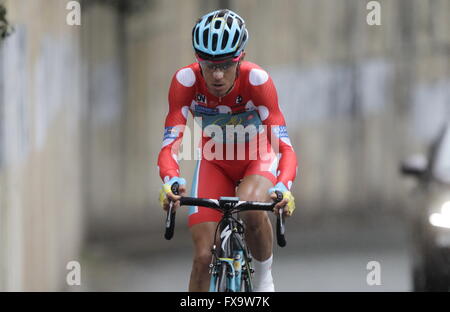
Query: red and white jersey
(252, 104)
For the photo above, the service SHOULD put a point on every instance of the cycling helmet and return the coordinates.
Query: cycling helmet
(219, 35)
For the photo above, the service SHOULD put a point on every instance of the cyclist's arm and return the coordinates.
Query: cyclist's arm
(265, 94)
(180, 95)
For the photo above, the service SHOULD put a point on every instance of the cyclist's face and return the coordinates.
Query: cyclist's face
(219, 77)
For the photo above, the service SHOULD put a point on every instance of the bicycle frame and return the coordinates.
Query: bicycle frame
(233, 253)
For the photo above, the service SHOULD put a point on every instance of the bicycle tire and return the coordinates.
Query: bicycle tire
(222, 279)
(246, 278)
(245, 287)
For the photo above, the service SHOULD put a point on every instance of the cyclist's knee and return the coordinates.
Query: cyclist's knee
(252, 194)
(202, 259)
(254, 188)
(255, 220)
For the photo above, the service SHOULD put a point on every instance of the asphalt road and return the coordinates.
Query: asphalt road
(329, 256)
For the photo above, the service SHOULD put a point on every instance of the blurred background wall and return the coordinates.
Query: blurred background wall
(82, 110)
(41, 122)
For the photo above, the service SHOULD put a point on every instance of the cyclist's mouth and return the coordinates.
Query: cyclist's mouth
(218, 86)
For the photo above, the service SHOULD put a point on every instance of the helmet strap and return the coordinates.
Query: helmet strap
(241, 58)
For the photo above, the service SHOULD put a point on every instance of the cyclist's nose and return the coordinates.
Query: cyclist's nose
(218, 74)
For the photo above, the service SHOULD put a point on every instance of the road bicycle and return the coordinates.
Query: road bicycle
(231, 269)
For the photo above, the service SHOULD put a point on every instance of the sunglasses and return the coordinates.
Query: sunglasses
(221, 65)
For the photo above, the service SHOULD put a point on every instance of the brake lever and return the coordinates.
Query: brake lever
(170, 219)
(281, 240)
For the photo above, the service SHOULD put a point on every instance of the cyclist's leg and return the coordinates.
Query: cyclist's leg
(258, 227)
(202, 236)
(258, 178)
(209, 182)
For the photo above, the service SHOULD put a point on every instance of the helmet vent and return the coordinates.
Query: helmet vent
(229, 21)
(217, 24)
(208, 20)
(222, 13)
(224, 39)
(197, 31)
(214, 42)
(205, 37)
(244, 38)
(235, 38)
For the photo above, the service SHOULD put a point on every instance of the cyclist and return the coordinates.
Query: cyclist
(221, 89)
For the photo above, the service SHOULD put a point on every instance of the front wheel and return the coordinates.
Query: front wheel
(222, 279)
(246, 279)
(246, 285)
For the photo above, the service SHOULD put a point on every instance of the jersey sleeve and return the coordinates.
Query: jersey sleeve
(181, 93)
(264, 95)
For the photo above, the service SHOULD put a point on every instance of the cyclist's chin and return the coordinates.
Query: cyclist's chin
(218, 90)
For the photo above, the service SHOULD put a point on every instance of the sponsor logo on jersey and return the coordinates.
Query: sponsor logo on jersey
(200, 98)
(233, 128)
(170, 133)
(203, 110)
(228, 121)
(281, 132)
(244, 119)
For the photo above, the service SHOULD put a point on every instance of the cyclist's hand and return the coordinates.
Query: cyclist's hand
(166, 195)
(288, 201)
